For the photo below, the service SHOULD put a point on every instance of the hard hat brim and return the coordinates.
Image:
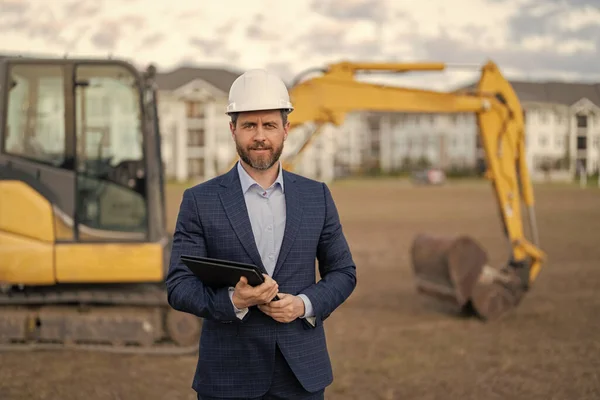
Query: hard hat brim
(233, 109)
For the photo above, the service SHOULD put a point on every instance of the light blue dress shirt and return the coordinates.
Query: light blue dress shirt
(266, 209)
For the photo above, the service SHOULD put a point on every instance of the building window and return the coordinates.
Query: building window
(544, 116)
(582, 121)
(195, 137)
(543, 140)
(581, 142)
(194, 109)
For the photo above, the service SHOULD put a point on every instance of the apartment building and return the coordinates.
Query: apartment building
(562, 132)
(196, 143)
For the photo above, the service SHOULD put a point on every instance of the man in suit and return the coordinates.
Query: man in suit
(252, 347)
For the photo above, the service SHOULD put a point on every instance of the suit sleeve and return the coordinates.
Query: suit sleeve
(336, 266)
(185, 292)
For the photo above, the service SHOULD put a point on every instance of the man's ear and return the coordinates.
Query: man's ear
(286, 129)
(232, 129)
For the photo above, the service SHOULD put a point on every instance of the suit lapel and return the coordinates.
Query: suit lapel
(293, 207)
(234, 204)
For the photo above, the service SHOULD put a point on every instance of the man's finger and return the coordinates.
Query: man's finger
(266, 309)
(269, 281)
(270, 293)
(273, 293)
(266, 286)
(267, 297)
(282, 303)
(242, 283)
(278, 310)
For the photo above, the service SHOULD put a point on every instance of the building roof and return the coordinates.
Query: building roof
(556, 92)
(218, 77)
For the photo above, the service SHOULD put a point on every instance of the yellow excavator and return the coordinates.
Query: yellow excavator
(83, 244)
(454, 270)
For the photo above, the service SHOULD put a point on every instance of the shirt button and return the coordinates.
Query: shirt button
(269, 228)
(270, 256)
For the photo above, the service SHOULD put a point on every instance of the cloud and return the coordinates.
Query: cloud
(207, 46)
(80, 9)
(527, 38)
(349, 9)
(259, 30)
(12, 7)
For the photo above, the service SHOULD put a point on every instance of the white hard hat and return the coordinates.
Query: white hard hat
(258, 89)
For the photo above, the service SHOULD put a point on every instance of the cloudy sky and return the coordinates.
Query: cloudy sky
(529, 39)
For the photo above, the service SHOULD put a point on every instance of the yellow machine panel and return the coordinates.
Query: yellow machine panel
(25, 261)
(109, 262)
(25, 212)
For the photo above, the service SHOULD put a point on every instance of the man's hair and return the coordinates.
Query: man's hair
(284, 116)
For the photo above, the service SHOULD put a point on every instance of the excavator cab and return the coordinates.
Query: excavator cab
(83, 243)
(79, 164)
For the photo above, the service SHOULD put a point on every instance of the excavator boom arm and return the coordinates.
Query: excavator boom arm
(328, 98)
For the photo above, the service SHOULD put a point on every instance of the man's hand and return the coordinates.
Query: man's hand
(287, 309)
(245, 296)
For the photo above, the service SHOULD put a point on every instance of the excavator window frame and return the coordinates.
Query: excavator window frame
(68, 150)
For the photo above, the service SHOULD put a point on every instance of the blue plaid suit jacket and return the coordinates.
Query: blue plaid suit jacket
(236, 356)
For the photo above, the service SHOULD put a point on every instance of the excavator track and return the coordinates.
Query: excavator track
(125, 319)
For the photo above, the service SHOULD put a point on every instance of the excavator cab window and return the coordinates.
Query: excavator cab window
(35, 124)
(110, 152)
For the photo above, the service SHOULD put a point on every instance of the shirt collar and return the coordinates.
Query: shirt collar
(247, 181)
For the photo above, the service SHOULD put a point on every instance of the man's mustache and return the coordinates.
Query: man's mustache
(259, 147)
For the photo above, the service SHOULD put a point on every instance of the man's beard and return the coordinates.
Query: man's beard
(260, 161)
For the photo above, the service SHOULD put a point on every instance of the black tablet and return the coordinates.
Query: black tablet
(222, 273)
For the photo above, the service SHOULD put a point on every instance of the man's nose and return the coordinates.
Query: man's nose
(259, 134)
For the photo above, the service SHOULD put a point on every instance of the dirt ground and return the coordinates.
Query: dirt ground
(385, 341)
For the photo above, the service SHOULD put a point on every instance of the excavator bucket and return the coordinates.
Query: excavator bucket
(455, 271)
